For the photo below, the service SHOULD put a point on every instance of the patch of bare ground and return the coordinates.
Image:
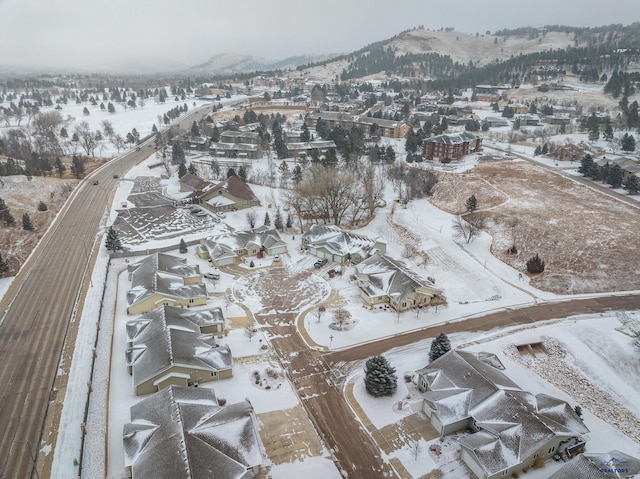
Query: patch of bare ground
(587, 240)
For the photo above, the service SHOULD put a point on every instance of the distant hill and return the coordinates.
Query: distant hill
(229, 64)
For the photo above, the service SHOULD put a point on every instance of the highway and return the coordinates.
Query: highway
(38, 310)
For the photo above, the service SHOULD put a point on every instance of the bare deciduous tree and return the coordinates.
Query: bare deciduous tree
(319, 311)
(469, 227)
(251, 218)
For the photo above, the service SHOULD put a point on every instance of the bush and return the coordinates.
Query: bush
(535, 265)
(42, 206)
(222, 402)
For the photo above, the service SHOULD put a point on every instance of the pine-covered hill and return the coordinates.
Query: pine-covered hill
(507, 56)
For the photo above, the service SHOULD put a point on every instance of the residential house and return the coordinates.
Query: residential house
(571, 152)
(184, 432)
(511, 427)
(232, 248)
(228, 195)
(613, 464)
(557, 119)
(495, 121)
(528, 119)
(369, 125)
(383, 280)
(342, 247)
(451, 147)
(248, 137)
(162, 279)
(191, 183)
(235, 150)
(629, 166)
(167, 346)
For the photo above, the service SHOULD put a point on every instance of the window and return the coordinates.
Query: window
(552, 449)
(191, 300)
(214, 374)
(505, 472)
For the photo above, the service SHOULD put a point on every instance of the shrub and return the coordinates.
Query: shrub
(42, 206)
(222, 402)
(535, 265)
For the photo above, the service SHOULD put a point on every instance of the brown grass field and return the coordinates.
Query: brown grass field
(588, 240)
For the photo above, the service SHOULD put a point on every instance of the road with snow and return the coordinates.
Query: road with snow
(39, 318)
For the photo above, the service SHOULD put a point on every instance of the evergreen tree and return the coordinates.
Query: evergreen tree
(585, 164)
(231, 172)
(289, 220)
(192, 169)
(594, 133)
(305, 135)
(535, 265)
(594, 171)
(411, 142)
(4, 266)
(5, 214)
(111, 108)
(632, 184)
(267, 219)
(608, 131)
(615, 176)
(183, 246)
(215, 134)
(537, 151)
(27, 225)
(182, 170)
(277, 221)
(242, 173)
(112, 242)
(439, 346)
(471, 204)
(177, 153)
(545, 149)
(380, 378)
(195, 131)
(628, 142)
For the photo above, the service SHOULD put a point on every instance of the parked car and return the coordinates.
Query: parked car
(96, 182)
(276, 258)
(210, 275)
(115, 177)
(320, 263)
(221, 215)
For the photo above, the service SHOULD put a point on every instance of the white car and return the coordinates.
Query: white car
(212, 275)
(276, 258)
(221, 215)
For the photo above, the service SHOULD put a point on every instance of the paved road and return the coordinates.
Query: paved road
(352, 447)
(501, 319)
(39, 312)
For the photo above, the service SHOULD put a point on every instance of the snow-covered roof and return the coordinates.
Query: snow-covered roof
(599, 466)
(194, 182)
(236, 188)
(191, 319)
(339, 242)
(159, 342)
(513, 424)
(164, 274)
(453, 139)
(390, 277)
(229, 244)
(183, 432)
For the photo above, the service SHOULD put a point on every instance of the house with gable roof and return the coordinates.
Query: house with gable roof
(334, 244)
(167, 346)
(228, 195)
(163, 279)
(182, 432)
(382, 279)
(599, 466)
(511, 427)
(230, 248)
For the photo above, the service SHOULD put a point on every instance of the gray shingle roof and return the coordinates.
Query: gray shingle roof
(594, 466)
(454, 139)
(228, 244)
(337, 241)
(183, 433)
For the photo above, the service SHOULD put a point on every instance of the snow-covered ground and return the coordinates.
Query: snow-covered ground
(472, 280)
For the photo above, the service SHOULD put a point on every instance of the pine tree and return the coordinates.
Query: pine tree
(628, 142)
(231, 172)
(632, 184)
(585, 165)
(537, 151)
(380, 378)
(195, 131)
(112, 242)
(471, 204)
(4, 266)
(267, 220)
(289, 221)
(615, 176)
(545, 149)
(27, 225)
(535, 265)
(277, 222)
(439, 346)
(182, 170)
(183, 246)
(242, 173)
(192, 169)
(594, 171)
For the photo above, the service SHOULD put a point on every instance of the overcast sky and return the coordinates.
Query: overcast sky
(98, 34)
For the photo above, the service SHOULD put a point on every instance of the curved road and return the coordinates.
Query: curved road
(38, 310)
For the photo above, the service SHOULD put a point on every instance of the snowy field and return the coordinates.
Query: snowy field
(471, 278)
